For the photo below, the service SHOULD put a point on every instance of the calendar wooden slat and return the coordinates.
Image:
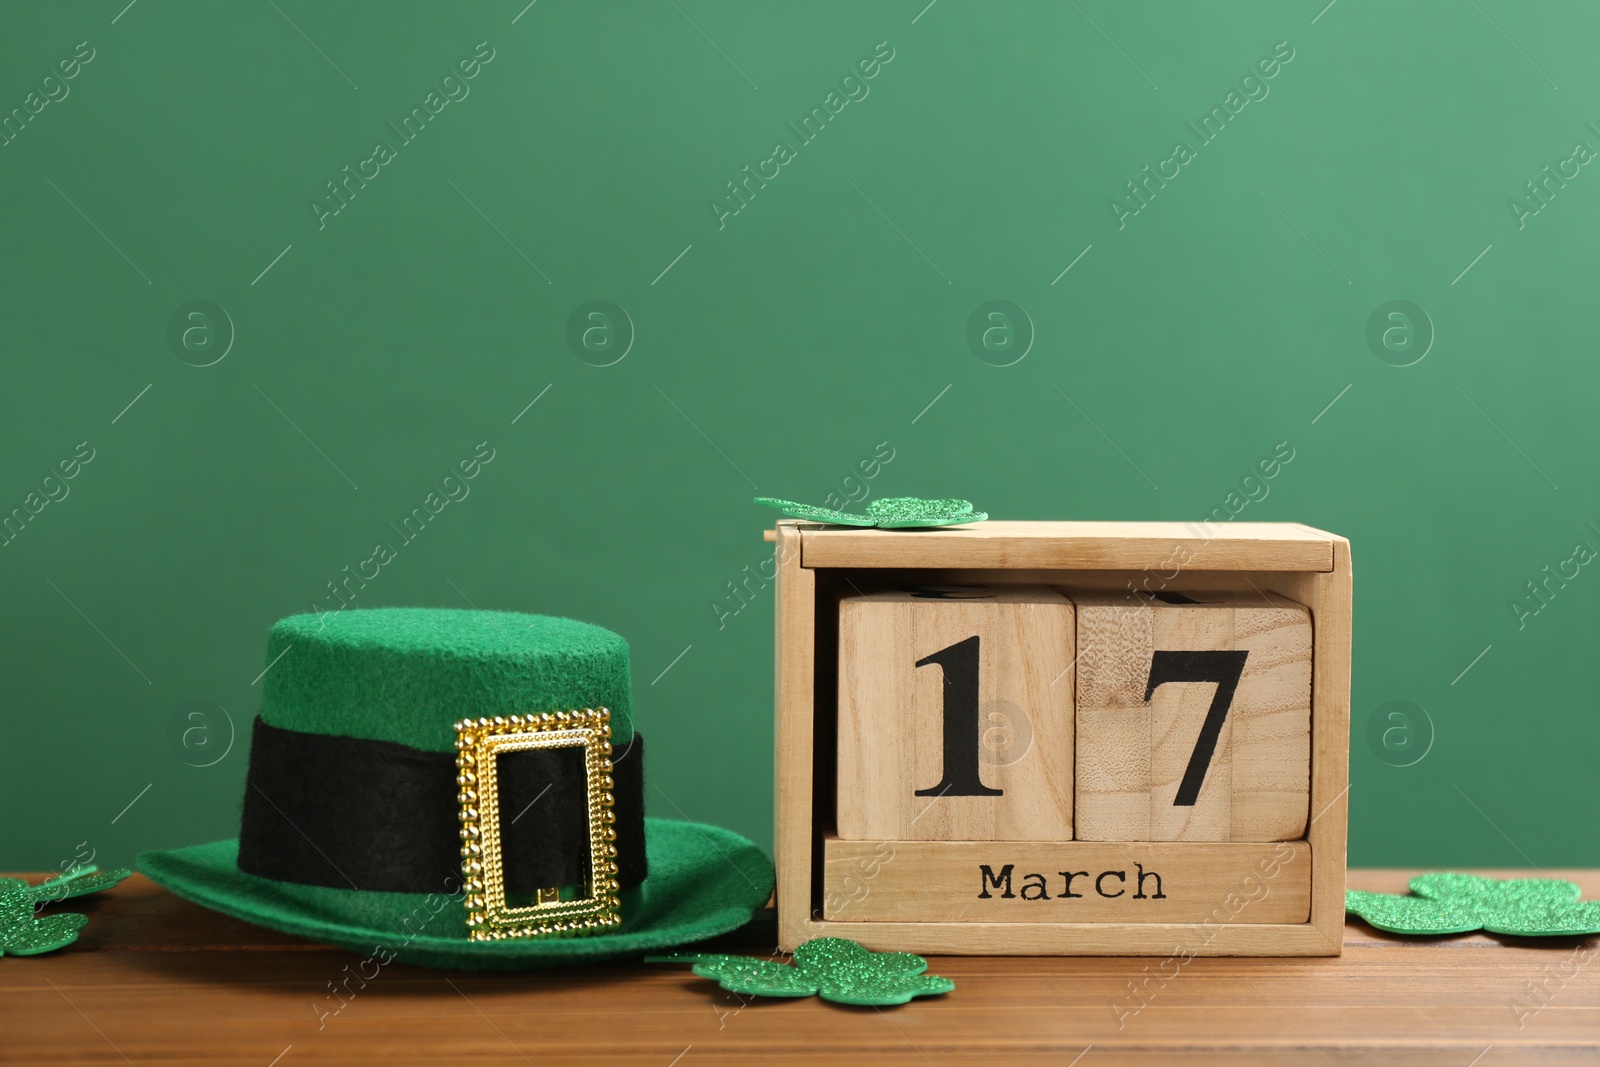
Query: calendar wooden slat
(1066, 882)
(1169, 546)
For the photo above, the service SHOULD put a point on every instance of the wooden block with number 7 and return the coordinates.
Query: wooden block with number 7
(1194, 717)
(955, 715)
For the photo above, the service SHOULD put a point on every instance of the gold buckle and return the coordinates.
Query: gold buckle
(479, 743)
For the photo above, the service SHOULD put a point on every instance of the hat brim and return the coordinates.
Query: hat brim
(703, 881)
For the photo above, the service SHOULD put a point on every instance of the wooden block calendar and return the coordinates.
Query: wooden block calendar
(1063, 738)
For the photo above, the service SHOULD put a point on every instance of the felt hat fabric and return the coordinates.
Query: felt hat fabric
(350, 829)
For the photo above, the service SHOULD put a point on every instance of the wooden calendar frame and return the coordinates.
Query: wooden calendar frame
(816, 563)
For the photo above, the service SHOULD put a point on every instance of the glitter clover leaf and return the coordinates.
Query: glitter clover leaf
(23, 935)
(830, 967)
(1462, 903)
(814, 513)
(886, 513)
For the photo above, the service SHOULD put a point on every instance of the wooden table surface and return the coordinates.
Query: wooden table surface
(156, 980)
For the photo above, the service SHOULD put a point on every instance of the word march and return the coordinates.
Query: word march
(1037, 886)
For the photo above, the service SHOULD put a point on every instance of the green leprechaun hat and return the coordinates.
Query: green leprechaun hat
(460, 789)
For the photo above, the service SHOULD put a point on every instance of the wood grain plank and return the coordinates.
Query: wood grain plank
(1329, 598)
(1252, 546)
(794, 699)
(158, 981)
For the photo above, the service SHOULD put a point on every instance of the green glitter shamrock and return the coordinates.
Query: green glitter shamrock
(1462, 903)
(831, 967)
(23, 935)
(886, 513)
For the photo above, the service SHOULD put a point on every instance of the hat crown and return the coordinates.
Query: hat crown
(406, 675)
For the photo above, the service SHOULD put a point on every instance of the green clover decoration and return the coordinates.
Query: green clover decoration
(886, 513)
(830, 967)
(1462, 903)
(21, 934)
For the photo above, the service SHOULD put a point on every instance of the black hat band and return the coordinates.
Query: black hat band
(351, 813)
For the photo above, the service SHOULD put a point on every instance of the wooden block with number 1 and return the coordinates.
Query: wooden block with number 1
(956, 714)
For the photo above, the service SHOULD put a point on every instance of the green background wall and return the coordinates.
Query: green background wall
(775, 350)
